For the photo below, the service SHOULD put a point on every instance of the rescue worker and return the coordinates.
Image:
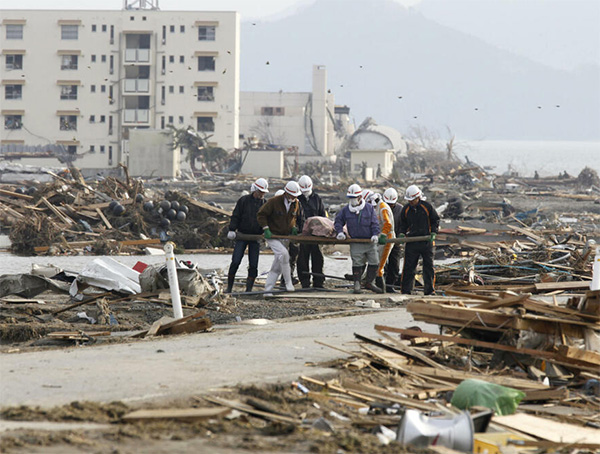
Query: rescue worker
(244, 220)
(292, 249)
(418, 218)
(392, 268)
(386, 222)
(280, 216)
(312, 205)
(361, 221)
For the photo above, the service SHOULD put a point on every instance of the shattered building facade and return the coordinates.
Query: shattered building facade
(80, 80)
(300, 119)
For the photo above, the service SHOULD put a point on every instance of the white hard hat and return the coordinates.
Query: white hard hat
(305, 183)
(293, 189)
(261, 185)
(412, 192)
(390, 196)
(354, 191)
(367, 193)
(279, 192)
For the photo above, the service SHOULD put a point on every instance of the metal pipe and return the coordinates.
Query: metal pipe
(173, 281)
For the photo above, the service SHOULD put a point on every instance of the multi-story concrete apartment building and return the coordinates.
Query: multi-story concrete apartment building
(77, 82)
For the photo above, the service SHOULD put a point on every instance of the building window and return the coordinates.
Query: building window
(162, 122)
(104, 27)
(110, 125)
(102, 149)
(164, 34)
(92, 118)
(103, 58)
(171, 58)
(181, 89)
(102, 88)
(72, 149)
(110, 157)
(171, 89)
(272, 111)
(181, 59)
(163, 68)
(143, 17)
(111, 66)
(93, 88)
(93, 27)
(205, 124)
(181, 119)
(170, 119)
(92, 149)
(182, 29)
(93, 58)
(131, 18)
(69, 62)
(172, 28)
(206, 63)
(14, 31)
(13, 122)
(206, 33)
(162, 95)
(206, 94)
(13, 62)
(68, 123)
(69, 31)
(13, 91)
(68, 92)
(102, 118)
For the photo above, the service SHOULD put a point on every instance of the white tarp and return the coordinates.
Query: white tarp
(109, 274)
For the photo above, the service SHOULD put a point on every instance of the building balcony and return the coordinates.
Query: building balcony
(136, 86)
(136, 116)
(137, 55)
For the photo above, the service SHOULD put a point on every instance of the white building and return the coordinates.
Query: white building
(374, 148)
(303, 119)
(83, 79)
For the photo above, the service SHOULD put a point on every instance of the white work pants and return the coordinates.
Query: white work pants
(281, 265)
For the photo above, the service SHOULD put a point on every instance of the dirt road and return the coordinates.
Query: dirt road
(182, 366)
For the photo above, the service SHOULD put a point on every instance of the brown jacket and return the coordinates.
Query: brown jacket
(274, 215)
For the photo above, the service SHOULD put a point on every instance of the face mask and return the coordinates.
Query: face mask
(355, 201)
(307, 192)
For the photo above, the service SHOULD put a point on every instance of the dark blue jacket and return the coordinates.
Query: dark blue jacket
(363, 224)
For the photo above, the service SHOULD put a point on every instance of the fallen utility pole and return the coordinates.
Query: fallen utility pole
(327, 240)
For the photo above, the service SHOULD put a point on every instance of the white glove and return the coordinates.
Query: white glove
(341, 236)
(375, 239)
(231, 235)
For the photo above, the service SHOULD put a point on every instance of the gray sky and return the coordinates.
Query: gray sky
(249, 9)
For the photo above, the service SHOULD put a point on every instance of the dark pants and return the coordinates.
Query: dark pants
(392, 267)
(312, 253)
(412, 252)
(238, 254)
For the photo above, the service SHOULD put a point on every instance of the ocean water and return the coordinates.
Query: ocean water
(525, 157)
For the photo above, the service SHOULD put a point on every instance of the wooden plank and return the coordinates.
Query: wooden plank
(472, 342)
(503, 302)
(567, 285)
(469, 295)
(546, 429)
(529, 233)
(407, 350)
(16, 195)
(64, 218)
(207, 207)
(106, 222)
(179, 414)
(246, 409)
(76, 244)
(579, 354)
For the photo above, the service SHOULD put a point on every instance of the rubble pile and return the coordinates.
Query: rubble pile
(107, 217)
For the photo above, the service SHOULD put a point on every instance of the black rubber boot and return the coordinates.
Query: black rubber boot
(370, 285)
(379, 283)
(249, 283)
(356, 272)
(230, 279)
